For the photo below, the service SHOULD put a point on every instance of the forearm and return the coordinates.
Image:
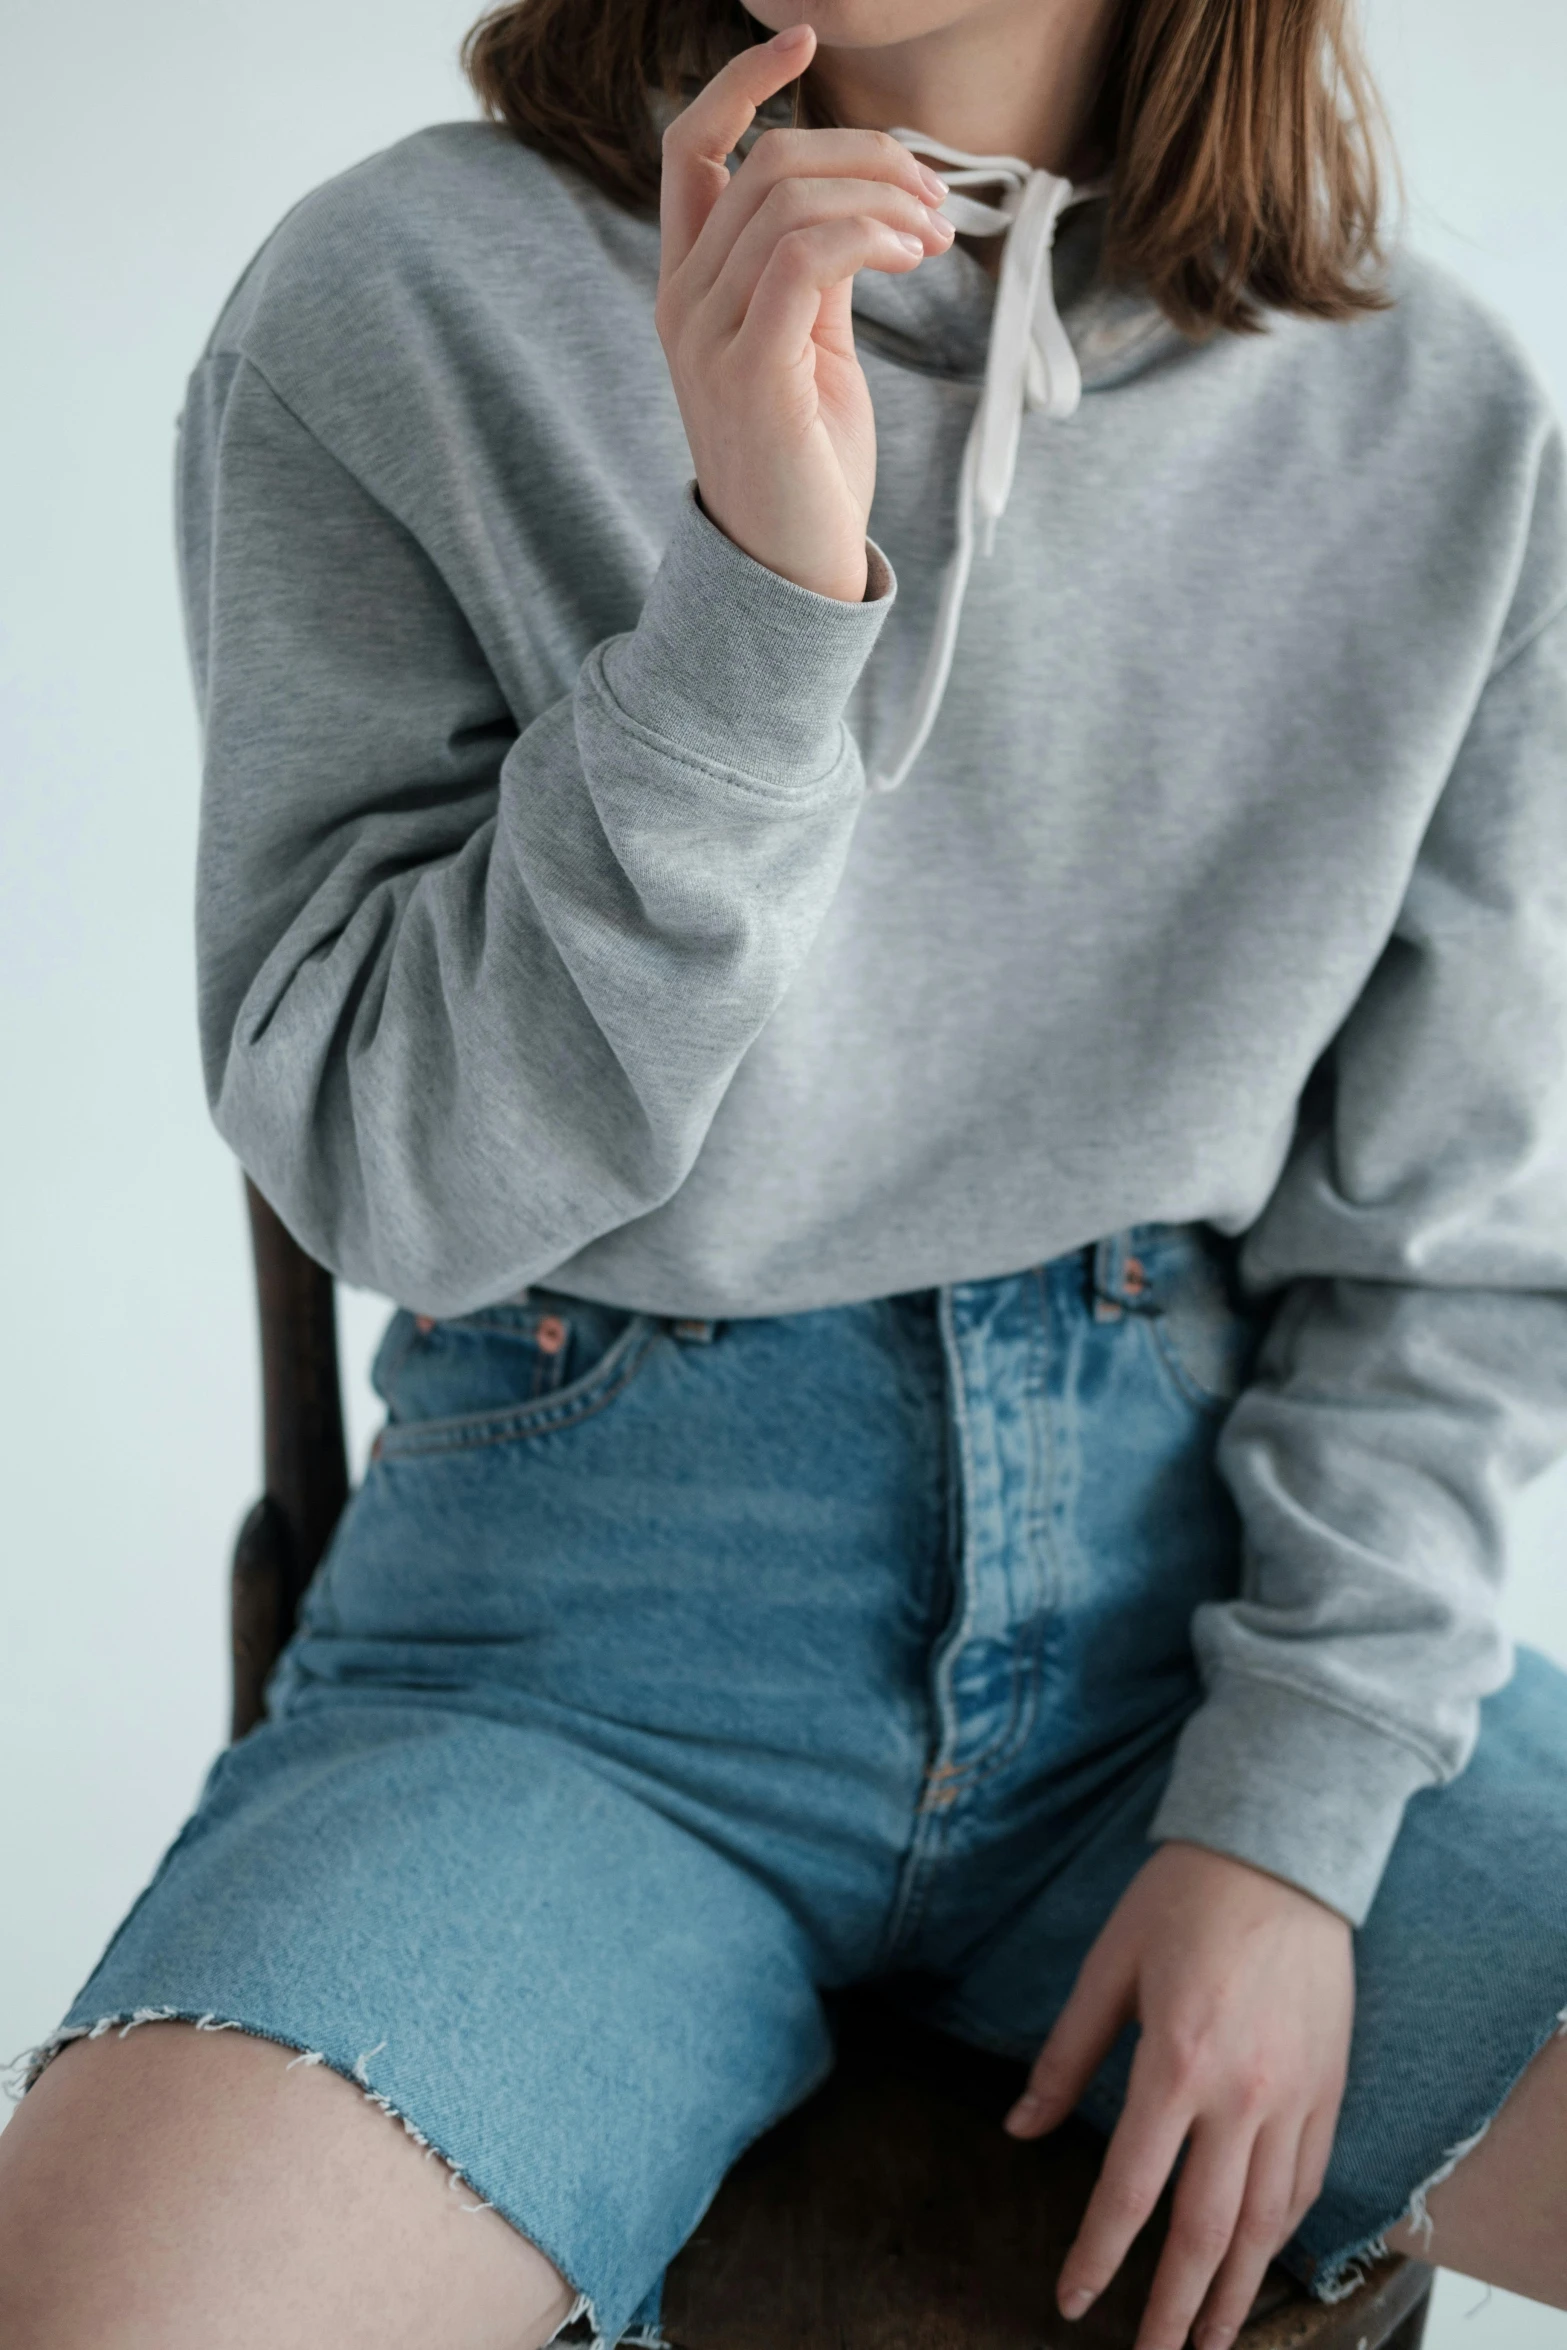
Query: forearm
(1371, 1462)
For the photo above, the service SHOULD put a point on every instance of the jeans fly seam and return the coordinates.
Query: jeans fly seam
(960, 1780)
(927, 1836)
(909, 1902)
(957, 1631)
(1038, 1515)
(930, 1832)
(1008, 1742)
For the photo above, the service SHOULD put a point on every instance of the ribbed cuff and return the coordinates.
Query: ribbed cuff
(1297, 1788)
(739, 666)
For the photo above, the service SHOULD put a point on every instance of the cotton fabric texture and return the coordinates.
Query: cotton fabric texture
(662, 1678)
(547, 930)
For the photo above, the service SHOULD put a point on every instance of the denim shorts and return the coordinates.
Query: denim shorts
(664, 1676)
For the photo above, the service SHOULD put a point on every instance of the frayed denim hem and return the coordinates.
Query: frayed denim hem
(1343, 2273)
(27, 2068)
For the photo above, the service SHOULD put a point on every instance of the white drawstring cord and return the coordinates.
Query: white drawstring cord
(1030, 363)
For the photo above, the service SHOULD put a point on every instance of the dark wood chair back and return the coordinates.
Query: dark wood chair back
(304, 1457)
(891, 2212)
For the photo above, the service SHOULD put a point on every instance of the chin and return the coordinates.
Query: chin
(863, 24)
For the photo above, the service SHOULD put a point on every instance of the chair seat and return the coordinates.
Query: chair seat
(892, 2213)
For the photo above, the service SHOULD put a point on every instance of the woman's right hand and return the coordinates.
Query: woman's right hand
(753, 312)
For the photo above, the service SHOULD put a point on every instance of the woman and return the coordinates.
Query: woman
(966, 1125)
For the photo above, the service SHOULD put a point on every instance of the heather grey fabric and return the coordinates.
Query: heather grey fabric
(547, 931)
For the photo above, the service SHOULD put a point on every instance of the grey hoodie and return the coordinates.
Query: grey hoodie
(548, 930)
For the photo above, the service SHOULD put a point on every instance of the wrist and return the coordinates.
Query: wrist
(841, 583)
(1233, 1865)
(741, 670)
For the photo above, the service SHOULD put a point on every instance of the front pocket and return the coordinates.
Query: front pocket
(1178, 1284)
(506, 1371)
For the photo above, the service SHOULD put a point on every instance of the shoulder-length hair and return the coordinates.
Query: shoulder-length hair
(1243, 135)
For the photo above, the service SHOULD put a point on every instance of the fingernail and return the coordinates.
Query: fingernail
(943, 227)
(911, 244)
(1215, 2338)
(790, 33)
(933, 183)
(1024, 2114)
(1074, 2303)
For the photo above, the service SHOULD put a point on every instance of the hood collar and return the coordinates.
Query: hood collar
(942, 311)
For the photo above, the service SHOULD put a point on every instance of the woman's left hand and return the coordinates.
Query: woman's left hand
(1245, 1991)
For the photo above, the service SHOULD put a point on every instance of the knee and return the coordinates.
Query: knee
(179, 2188)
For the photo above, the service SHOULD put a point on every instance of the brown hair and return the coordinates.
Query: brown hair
(1243, 134)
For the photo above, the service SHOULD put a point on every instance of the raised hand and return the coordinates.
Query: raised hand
(753, 312)
(1244, 1988)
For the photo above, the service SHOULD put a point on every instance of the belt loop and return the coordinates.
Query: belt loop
(1108, 1262)
(1121, 1283)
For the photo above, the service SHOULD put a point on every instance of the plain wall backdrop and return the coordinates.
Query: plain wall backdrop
(144, 153)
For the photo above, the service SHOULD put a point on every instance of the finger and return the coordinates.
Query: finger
(704, 134)
(874, 159)
(1311, 2163)
(1265, 2223)
(1203, 2220)
(1081, 2037)
(804, 264)
(801, 204)
(1138, 2160)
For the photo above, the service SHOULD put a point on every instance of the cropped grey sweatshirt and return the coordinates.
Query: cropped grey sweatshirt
(549, 929)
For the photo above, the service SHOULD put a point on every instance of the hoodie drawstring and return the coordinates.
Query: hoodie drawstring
(1030, 363)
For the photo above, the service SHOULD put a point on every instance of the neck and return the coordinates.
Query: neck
(1011, 77)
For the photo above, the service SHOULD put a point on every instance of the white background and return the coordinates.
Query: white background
(145, 151)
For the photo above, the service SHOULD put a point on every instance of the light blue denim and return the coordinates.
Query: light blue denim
(664, 1675)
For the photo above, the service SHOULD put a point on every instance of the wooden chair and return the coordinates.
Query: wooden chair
(890, 2213)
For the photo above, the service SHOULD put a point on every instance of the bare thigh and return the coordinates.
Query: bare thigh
(179, 2189)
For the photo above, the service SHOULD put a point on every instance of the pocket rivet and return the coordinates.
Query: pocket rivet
(550, 1334)
(424, 1324)
(1134, 1277)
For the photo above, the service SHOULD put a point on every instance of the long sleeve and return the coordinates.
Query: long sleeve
(473, 981)
(1415, 1372)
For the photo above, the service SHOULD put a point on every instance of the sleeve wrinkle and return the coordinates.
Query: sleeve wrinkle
(1527, 637)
